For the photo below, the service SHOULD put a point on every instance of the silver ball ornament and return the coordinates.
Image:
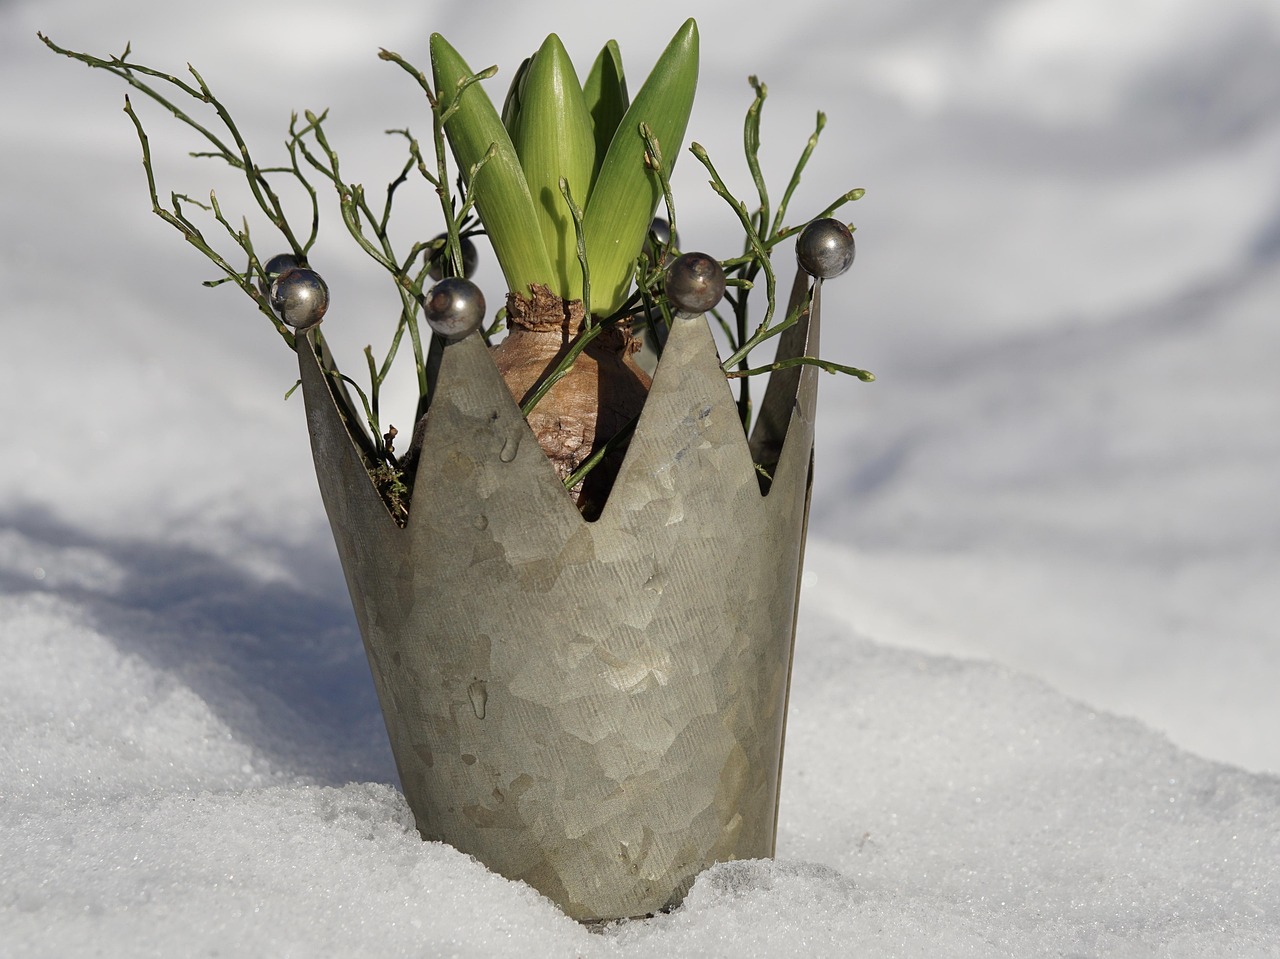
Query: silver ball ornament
(300, 298)
(695, 283)
(454, 307)
(825, 249)
(470, 258)
(658, 239)
(280, 263)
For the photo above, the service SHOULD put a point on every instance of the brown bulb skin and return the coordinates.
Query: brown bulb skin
(602, 392)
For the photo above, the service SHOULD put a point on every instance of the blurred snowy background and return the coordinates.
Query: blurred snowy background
(1034, 709)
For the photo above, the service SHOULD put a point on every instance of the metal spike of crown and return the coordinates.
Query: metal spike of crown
(595, 708)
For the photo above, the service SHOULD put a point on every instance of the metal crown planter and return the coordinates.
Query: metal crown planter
(584, 677)
(596, 708)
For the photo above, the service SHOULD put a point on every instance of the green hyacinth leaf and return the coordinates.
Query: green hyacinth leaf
(553, 138)
(515, 92)
(626, 193)
(605, 91)
(501, 193)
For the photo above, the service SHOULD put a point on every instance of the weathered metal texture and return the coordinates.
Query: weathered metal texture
(596, 708)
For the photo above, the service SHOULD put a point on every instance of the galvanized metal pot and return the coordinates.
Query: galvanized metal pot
(595, 708)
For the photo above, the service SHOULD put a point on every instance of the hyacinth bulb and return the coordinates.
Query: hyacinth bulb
(695, 283)
(470, 259)
(825, 249)
(454, 307)
(300, 298)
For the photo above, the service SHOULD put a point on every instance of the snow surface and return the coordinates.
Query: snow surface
(1034, 707)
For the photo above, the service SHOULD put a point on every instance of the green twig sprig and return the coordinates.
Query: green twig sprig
(616, 169)
(763, 229)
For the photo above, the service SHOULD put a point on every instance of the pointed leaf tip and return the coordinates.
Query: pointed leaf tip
(500, 190)
(605, 93)
(553, 138)
(626, 192)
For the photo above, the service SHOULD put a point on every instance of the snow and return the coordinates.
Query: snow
(1033, 710)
